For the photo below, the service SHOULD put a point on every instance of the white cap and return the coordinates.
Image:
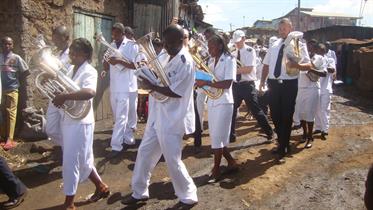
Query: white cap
(237, 36)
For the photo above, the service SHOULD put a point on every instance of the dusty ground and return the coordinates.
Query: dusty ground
(330, 175)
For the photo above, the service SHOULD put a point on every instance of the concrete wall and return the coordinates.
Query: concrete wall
(41, 16)
(11, 22)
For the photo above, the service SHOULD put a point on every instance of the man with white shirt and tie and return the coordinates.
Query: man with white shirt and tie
(282, 88)
(244, 87)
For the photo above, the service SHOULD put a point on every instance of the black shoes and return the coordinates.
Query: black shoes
(317, 132)
(14, 202)
(323, 135)
(232, 138)
(113, 154)
(131, 200)
(296, 127)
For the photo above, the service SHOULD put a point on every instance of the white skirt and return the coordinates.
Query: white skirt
(306, 103)
(220, 119)
(78, 161)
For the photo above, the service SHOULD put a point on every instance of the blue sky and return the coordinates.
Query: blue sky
(236, 13)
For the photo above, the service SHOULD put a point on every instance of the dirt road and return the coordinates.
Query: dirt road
(330, 175)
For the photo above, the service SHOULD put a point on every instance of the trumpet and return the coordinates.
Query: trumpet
(194, 50)
(111, 51)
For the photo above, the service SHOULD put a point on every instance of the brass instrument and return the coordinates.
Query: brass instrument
(194, 50)
(151, 69)
(52, 82)
(317, 69)
(292, 51)
(111, 51)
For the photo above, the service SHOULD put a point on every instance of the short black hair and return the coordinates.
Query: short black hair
(5, 38)
(218, 39)
(210, 30)
(128, 30)
(175, 31)
(118, 26)
(61, 30)
(82, 45)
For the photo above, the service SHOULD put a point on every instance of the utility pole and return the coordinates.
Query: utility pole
(230, 25)
(298, 17)
(243, 25)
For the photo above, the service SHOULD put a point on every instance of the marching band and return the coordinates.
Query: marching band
(293, 98)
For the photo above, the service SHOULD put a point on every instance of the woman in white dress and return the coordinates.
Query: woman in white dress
(220, 110)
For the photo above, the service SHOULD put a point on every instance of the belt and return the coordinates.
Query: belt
(245, 81)
(282, 81)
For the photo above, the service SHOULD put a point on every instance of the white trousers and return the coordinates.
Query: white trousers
(132, 112)
(220, 119)
(323, 113)
(53, 125)
(201, 102)
(78, 161)
(120, 109)
(153, 145)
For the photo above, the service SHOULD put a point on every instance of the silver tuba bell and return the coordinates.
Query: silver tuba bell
(111, 51)
(51, 81)
(152, 68)
(292, 51)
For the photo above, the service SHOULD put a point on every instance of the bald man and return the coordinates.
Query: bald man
(60, 38)
(167, 122)
(282, 87)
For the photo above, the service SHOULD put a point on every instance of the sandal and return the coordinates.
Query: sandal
(9, 145)
(98, 195)
(309, 143)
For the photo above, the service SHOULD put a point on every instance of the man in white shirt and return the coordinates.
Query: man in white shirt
(244, 87)
(167, 123)
(282, 87)
(326, 91)
(60, 37)
(123, 84)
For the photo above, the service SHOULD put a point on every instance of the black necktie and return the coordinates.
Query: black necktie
(238, 76)
(278, 66)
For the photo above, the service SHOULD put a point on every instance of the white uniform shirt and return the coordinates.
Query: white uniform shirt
(326, 83)
(305, 82)
(122, 81)
(65, 59)
(248, 58)
(85, 77)
(271, 58)
(176, 115)
(331, 54)
(225, 69)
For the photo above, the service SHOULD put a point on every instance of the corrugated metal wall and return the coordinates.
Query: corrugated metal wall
(153, 15)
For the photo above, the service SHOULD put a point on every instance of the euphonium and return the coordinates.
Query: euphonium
(52, 81)
(292, 51)
(151, 69)
(211, 92)
(111, 51)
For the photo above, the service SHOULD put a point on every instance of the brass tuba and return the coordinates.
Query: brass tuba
(194, 50)
(152, 68)
(111, 51)
(292, 51)
(52, 81)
